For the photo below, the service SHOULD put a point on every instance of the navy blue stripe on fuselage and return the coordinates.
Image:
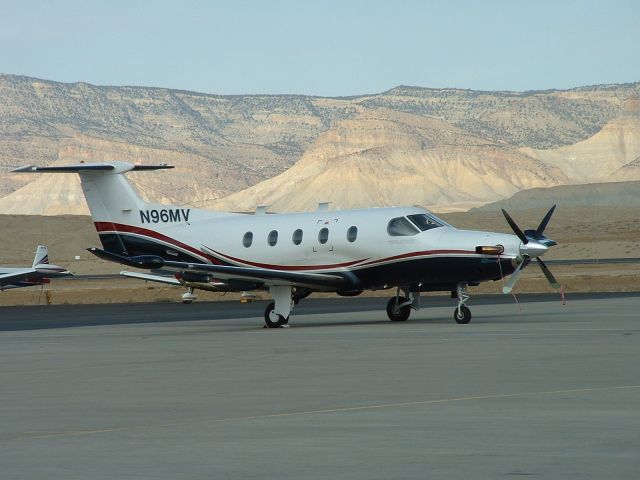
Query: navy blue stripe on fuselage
(440, 272)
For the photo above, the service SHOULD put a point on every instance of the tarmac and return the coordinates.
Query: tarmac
(202, 391)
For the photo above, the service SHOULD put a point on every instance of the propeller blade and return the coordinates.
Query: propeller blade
(545, 221)
(515, 228)
(515, 275)
(547, 273)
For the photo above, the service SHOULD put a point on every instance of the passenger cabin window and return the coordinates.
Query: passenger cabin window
(352, 234)
(424, 221)
(247, 240)
(401, 227)
(323, 235)
(272, 239)
(297, 237)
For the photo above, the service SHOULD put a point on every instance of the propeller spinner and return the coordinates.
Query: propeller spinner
(534, 245)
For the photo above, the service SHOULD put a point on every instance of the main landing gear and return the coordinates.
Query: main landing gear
(399, 307)
(277, 313)
(273, 319)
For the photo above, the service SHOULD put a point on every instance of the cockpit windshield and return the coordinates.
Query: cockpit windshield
(401, 227)
(424, 221)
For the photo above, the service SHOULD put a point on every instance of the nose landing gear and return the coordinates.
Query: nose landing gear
(462, 314)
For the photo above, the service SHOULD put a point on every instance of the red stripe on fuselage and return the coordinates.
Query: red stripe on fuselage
(419, 254)
(288, 267)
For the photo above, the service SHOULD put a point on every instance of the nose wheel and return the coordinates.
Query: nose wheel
(462, 314)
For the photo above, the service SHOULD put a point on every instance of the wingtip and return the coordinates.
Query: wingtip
(24, 169)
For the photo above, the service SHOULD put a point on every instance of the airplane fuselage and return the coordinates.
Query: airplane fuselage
(345, 241)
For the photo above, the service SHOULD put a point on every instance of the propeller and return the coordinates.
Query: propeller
(534, 245)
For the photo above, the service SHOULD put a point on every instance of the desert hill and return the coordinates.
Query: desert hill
(605, 156)
(385, 157)
(622, 195)
(446, 148)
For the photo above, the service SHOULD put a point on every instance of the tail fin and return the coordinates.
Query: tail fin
(42, 256)
(126, 224)
(110, 197)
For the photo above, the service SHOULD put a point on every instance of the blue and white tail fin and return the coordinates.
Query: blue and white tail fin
(42, 256)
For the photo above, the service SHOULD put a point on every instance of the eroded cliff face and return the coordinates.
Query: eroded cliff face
(445, 148)
(385, 158)
(609, 155)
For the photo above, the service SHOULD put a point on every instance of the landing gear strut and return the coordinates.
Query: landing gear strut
(399, 307)
(462, 314)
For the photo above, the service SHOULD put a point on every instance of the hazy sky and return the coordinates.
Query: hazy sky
(332, 47)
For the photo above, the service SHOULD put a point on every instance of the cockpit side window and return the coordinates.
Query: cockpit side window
(401, 227)
(424, 221)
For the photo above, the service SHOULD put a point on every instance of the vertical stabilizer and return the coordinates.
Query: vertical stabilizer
(42, 256)
(126, 224)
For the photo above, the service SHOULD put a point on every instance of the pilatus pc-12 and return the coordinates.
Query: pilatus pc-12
(38, 274)
(295, 254)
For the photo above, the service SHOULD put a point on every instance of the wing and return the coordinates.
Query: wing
(18, 276)
(257, 276)
(33, 274)
(264, 276)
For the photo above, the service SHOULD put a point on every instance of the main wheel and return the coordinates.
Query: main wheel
(396, 314)
(462, 315)
(269, 321)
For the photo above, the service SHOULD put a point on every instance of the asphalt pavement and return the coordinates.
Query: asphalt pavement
(201, 391)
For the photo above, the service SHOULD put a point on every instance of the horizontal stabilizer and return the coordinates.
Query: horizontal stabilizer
(115, 167)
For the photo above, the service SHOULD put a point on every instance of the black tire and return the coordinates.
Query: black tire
(267, 317)
(463, 315)
(395, 314)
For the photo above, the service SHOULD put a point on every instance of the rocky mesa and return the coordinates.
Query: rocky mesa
(444, 148)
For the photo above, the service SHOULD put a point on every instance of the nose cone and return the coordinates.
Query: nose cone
(533, 249)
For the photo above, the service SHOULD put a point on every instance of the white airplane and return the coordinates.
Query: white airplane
(293, 255)
(39, 274)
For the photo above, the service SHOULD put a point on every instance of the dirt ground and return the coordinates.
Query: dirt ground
(593, 233)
